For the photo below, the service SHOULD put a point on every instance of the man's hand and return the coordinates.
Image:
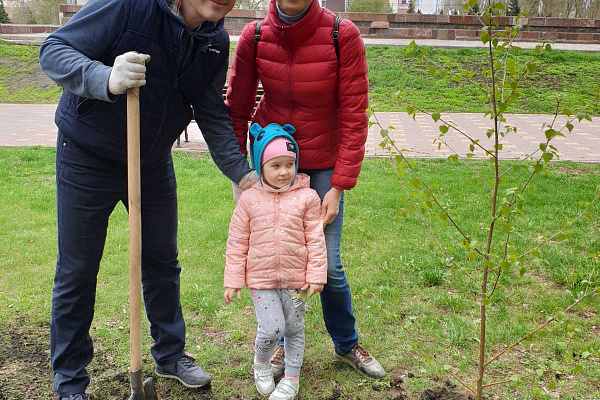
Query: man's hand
(313, 288)
(229, 292)
(128, 71)
(331, 205)
(245, 183)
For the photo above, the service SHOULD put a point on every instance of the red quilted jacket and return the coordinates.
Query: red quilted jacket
(304, 85)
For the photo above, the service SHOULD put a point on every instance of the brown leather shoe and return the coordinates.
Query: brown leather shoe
(278, 362)
(361, 360)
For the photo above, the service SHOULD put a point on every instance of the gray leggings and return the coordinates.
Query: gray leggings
(280, 312)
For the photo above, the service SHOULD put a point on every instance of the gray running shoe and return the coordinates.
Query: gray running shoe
(77, 396)
(278, 362)
(185, 371)
(360, 359)
(286, 389)
(263, 378)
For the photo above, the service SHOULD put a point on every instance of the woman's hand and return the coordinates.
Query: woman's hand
(331, 205)
(313, 288)
(229, 292)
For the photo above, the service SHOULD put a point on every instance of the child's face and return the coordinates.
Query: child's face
(279, 171)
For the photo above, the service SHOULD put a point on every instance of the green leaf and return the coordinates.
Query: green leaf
(561, 237)
(552, 385)
(485, 38)
(384, 133)
(505, 266)
(551, 133)
(432, 70)
(578, 368)
(543, 146)
(436, 116)
(442, 74)
(472, 3)
(472, 147)
(416, 182)
(499, 6)
(522, 271)
(471, 255)
(410, 110)
(485, 301)
(538, 168)
(547, 157)
(569, 126)
(531, 66)
(443, 128)
(510, 66)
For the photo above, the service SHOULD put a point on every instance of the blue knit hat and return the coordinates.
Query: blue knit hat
(262, 137)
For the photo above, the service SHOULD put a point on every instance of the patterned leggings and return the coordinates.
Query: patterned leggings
(280, 312)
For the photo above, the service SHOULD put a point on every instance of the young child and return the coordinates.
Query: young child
(276, 247)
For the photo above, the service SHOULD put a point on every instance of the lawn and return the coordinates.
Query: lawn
(391, 69)
(396, 280)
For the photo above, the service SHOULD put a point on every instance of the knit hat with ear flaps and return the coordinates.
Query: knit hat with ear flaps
(264, 136)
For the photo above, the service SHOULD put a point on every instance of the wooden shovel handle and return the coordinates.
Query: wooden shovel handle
(135, 228)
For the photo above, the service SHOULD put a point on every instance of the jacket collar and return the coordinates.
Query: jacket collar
(301, 181)
(299, 31)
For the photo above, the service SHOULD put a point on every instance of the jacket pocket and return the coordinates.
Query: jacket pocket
(85, 106)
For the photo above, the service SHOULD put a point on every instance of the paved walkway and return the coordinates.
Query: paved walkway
(33, 125)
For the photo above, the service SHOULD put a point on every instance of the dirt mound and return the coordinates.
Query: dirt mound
(445, 392)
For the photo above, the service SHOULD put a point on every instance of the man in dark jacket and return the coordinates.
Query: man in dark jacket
(177, 52)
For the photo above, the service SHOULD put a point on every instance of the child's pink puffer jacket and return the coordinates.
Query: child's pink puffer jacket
(276, 240)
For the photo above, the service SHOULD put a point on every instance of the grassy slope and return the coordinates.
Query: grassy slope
(574, 74)
(21, 80)
(391, 69)
(390, 266)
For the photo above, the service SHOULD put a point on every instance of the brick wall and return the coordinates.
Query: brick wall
(26, 29)
(423, 26)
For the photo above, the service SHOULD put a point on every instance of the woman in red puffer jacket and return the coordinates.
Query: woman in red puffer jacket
(325, 98)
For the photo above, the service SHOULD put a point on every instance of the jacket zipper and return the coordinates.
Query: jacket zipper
(278, 241)
(290, 77)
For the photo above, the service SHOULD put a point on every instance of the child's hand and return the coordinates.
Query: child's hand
(313, 288)
(229, 292)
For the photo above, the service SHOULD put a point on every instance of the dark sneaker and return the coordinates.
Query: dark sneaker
(185, 371)
(78, 396)
(360, 359)
(278, 362)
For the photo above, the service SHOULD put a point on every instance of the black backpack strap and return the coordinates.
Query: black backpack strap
(257, 37)
(335, 36)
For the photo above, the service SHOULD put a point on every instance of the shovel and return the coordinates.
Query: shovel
(139, 390)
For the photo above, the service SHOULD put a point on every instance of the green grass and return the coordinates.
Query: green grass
(391, 269)
(391, 69)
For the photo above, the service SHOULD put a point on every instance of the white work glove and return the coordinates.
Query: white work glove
(128, 71)
(245, 183)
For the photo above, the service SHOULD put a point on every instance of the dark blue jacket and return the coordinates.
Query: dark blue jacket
(187, 70)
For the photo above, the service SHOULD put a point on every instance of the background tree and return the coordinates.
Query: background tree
(45, 11)
(411, 7)
(514, 8)
(373, 6)
(4, 19)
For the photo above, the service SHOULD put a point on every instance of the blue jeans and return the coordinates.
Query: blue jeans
(336, 299)
(87, 190)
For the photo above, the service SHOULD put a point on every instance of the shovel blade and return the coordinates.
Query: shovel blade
(139, 390)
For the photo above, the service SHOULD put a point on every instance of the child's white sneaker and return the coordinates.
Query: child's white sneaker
(286, 389)
(263, 378)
